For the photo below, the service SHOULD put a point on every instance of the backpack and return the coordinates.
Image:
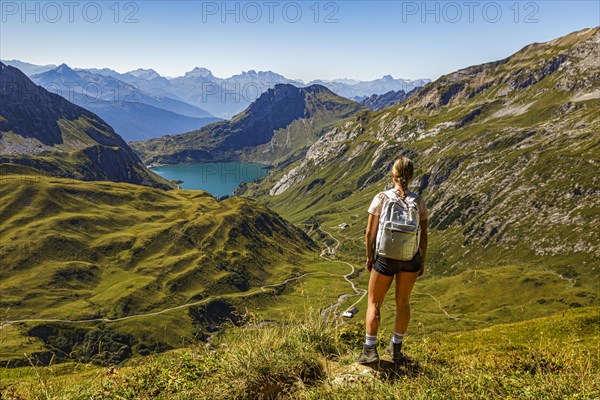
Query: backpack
(399, 232)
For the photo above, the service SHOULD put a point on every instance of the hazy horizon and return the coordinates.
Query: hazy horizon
(76, 67)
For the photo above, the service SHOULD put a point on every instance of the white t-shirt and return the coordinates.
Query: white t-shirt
(377, 203)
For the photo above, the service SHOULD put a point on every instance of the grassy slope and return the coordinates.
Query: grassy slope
(79, 250)
(544, 358)
(514, 189)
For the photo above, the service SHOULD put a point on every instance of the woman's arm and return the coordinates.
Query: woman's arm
(423, 244)
(370, 237)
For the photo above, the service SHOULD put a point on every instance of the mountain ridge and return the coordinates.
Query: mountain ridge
(392, 98)
(514, 130)
(112, 250)
(282, 121)
(225, 97)
(132, 113)
(44, 131)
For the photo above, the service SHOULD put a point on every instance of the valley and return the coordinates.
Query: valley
(502, 186)
(105, 263)
(134, 251)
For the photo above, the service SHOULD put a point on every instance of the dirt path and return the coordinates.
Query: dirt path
(262, 289)
(166, 310)
(357, 291)
(439, 303)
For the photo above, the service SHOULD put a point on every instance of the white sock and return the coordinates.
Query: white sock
(397, 337)
(371, 340)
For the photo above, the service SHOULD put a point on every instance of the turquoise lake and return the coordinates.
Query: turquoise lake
(219, 179)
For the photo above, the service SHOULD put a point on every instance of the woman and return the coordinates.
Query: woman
(383, 270)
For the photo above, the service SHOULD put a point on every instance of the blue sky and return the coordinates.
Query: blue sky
(301, 40)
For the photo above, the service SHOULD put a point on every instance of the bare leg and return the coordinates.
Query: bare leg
(378, 286)
(404, 284)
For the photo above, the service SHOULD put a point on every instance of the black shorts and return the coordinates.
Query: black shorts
(389, 267)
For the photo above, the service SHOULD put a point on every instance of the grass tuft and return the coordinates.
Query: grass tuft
(553, 357)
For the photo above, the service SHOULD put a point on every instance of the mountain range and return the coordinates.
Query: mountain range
(379, 86)
(42, 131)
(283, 121)
(134, 114)
(226, 97)
(28, 68)
(392, 98)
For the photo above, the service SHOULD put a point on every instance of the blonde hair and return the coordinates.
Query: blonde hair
(403, 170)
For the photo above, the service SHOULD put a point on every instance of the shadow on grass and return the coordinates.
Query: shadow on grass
(392, 370)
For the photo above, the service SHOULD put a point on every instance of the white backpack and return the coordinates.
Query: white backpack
(399, 231)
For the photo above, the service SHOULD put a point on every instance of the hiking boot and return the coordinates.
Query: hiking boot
(396, 351)
(369, 354)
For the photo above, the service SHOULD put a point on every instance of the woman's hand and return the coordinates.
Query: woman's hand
(370, 235)
(423, 245)
(369, 264)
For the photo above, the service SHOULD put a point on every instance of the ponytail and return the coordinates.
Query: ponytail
(403, 170)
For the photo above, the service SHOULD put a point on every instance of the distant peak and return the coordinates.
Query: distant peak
(387, 78)
(279, 90)
(64, 68)
(316, 88)
(199, 71)
(259, 73)
(147, 73)
(65, 71)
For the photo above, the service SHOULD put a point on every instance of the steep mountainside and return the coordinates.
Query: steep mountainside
(95, 86)
(132, 113)
(44, 131)
(86, 250)
(281, 122)
(378, 102)
(139, 121)
(507, 157)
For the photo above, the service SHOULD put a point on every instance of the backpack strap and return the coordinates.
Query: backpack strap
(412, 198)
(393, 196)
